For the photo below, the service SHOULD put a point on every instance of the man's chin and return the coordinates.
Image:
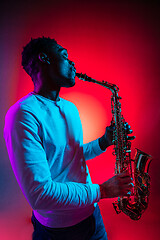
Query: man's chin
(68, 82)
(71, 84)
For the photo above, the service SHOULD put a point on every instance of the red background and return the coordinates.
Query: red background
(116, 42)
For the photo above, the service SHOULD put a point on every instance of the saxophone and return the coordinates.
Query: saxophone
(135, 204)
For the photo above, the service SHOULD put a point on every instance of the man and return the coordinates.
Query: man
(44, 138)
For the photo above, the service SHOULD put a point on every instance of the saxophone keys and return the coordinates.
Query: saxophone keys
(128, 151)
(130, 138)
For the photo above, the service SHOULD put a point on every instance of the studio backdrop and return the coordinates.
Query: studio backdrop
(113, 41)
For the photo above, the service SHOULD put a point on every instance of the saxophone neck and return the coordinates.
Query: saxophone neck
(114, 88)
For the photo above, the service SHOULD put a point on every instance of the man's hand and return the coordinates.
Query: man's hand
(106, 140)
(119, 185)
(128, 130)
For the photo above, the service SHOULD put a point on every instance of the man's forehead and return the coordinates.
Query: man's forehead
(59, 48)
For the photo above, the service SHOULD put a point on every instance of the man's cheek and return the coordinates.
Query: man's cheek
(64, 70)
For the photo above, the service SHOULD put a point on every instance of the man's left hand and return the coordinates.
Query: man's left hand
(106, 140)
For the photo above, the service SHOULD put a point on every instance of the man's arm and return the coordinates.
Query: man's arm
(32, 171)
(98, 146)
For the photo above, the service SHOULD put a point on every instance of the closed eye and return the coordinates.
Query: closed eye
(64, 53)
(65, 57)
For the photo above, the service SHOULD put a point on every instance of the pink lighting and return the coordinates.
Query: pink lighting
(117, 43)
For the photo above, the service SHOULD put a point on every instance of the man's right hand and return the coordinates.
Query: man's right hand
(119, 185)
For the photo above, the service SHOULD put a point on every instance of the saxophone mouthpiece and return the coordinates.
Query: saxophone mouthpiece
(78, 74)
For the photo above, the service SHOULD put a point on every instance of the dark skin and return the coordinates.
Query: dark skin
(55, 70)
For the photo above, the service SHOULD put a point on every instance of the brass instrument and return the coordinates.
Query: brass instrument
(135, 204)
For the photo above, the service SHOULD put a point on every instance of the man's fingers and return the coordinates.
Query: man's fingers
(110, 128)
(124, 174)
(126, 193)
(126, 189)
(131, 184)
(125, 182)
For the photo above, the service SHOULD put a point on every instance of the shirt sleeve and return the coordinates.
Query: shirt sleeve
(92, 149)
(25, 148)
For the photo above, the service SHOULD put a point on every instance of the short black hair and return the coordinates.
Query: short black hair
(31, 51)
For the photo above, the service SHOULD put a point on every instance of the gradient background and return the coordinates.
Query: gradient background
(108, 40)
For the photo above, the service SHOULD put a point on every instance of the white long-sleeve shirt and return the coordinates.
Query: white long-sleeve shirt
(44, 140)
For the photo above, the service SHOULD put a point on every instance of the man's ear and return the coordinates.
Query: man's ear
(43, 58)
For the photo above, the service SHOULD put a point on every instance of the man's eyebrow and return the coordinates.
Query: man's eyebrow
(62, 49)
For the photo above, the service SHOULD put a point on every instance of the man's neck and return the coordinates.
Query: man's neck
(52, 95)
(45, 90)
